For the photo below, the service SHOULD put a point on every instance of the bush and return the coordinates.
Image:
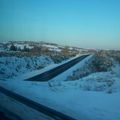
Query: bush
(13, 47)
(102, 62)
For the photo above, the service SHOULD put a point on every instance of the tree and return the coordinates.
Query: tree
(13, 47)
(65, 51)
(25, 49)
(102, 62)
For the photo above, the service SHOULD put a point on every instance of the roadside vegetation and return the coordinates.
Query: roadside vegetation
(31, 49)
(100, 73)
(102, 61)
(19, 58)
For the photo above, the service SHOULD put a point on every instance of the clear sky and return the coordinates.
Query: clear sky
(83, 23)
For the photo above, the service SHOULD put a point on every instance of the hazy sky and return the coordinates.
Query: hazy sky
(83, 23)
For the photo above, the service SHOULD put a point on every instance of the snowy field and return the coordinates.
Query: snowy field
(94, 97)
(85, 105)
(11, 67)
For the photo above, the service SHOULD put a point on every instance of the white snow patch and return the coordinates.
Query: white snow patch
(16, 66)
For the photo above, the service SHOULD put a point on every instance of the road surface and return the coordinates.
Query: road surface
(8, 115)
(46, 76)
(56, 115)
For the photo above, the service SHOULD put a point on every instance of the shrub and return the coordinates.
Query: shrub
(13, 47)
(102, 62)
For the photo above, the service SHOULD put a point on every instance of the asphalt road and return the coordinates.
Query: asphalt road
(8, 115)
(36, 106)
(46, 76)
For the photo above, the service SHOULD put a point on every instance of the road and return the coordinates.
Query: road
(36, 106)
(46, 76)
(8, 115)
(56, 115)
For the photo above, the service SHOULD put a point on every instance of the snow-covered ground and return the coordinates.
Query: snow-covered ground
(21, 46)
(52, 47)
(11, 67)
(94, 97)
(49, 67)
(85, 105)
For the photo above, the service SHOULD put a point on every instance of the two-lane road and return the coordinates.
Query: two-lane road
(56, 71)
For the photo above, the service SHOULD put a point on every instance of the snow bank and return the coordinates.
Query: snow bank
(82, 105)
(103, 81)
(63, 76)
(85, 76)
(13, 66)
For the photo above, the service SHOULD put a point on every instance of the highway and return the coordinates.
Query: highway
(8, 115)
(46, 76)
(56, 115)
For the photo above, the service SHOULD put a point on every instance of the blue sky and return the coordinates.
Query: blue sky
(83, 23)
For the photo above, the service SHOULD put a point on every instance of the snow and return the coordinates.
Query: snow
(80, 99)
(16, 66)
(79, 104)
(63, 76)
(48, 67)
(102, 81)
(52, 47)
(36, 72)
(25, 67)
(116, 69)
(22, 46)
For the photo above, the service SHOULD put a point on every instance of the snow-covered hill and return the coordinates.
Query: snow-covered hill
(31, 45)
(19, 57)
(11, 67)
(101, 72)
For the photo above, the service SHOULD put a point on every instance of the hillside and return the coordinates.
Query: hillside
(101, 72)
(20, 57)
